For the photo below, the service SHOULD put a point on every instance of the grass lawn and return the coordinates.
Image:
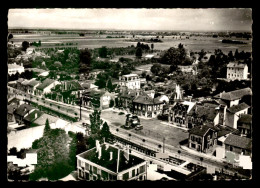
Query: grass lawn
(152, 128)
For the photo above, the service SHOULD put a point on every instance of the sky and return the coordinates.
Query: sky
(225, 19)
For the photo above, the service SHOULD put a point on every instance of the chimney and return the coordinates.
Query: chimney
(97, 146)
(99, 152)
(111, 155)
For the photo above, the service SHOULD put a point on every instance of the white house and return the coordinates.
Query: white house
(14, 68)
(46, 86)
(237, 71)
(132, 81)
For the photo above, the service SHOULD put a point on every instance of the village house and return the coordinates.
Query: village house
(98, 99)
(188, 69)
(14, 68)
(31, 86)
(144, 105)
(237, 71)
(45, 87)
(132, 81)
(107, 163)
(238, 144)
(178, 113)
(244, 125)
(234, 113)
(203, 114)
(10, 112)
(126, 96)
(203, 138)
(21, 112)
(233, 97)
(31, 117)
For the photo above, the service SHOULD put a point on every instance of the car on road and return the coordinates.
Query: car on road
(138, 127)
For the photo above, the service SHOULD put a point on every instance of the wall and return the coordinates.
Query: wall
(24, 138)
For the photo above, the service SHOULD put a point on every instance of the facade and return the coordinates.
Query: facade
(31, 117)
(203, 138)
(108, 163)
(14, 68)
(45, 87)
(31, 86)
(237, 71)
(238, 144)
(132, 81)
(244, 125)
(178, 113)
(234, 113)
(233, 97)
(126, 97)
(146, 106)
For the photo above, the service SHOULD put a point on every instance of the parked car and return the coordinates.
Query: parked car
(138, 127)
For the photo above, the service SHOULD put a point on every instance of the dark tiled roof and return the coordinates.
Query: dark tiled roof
(11, 108)
(142, 99)
(237, 108)
(224, 130)
(45, 84)
(31, 117)
(200, 130)
(236, 65)
(23, 109)
(233, 95)
(204, 111)
(239, 141)
(104, 161)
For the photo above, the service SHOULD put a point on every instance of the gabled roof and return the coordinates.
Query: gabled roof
(201, 130)
(237, 108)
(239, 141)
(234, 95)
(105, 161)
(33, 83)
(23, 109)
(142, 99)
(31, 117)
(204, 111)
(45, 84)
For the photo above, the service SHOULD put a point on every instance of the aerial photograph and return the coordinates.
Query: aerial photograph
(129, 94)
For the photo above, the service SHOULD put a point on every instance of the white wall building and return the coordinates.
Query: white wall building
(14, 68)
(132, 81)
(237, 71)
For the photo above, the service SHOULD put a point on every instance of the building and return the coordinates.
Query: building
(106, 162)
(203, 114)
(237, 71)
(125, 98)
(14, 68)
(233, 97)
(21, 112)
(144, 105)
(132, 81)
(45, 87)
(244, 125)
(203, 138)
(178, 113)
(188, 69)
(31, 86)
(31, 117)
(238, 144)
(234, 113)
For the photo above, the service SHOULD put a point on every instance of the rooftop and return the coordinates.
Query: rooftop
(45, 84)
(111, 165)
(42, 119)
(33, 83)
(237, 108)
(14, 66)
(31, 117)
(144, 99)
(234, 95)
(23, 109)
(201, 130)
(245, 118)
(236, 65)
(129, 75)
(239, 141)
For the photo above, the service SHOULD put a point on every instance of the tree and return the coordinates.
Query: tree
(174, 56)
(152, 46)
(139, 52)
(105, 132)
(25, 45)
(47, 127)
(111, 103)
(102, 52)
(156, 69)
(138, 45)
(202, 53)
(10, 36)
(109, 86)
(39, 43)
(85, 57)
(95, 121)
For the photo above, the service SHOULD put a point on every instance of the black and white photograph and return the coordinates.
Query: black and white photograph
(129, 94)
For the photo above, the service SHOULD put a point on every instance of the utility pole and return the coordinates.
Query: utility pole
(80, 102)
(163, 143)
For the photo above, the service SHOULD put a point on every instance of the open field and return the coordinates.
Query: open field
(97, 41)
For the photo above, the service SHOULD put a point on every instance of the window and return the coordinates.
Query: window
(142, 169)
(126, 176)
(133, 172)
(231, 148)
(193, 145)
(87, 166)
(94, 170)
(104, 175)
(82, 164)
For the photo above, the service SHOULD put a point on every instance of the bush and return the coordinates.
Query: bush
(162, 117)
(121, 113)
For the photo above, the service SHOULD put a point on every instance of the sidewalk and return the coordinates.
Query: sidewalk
(202, 154)
(172, 125)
